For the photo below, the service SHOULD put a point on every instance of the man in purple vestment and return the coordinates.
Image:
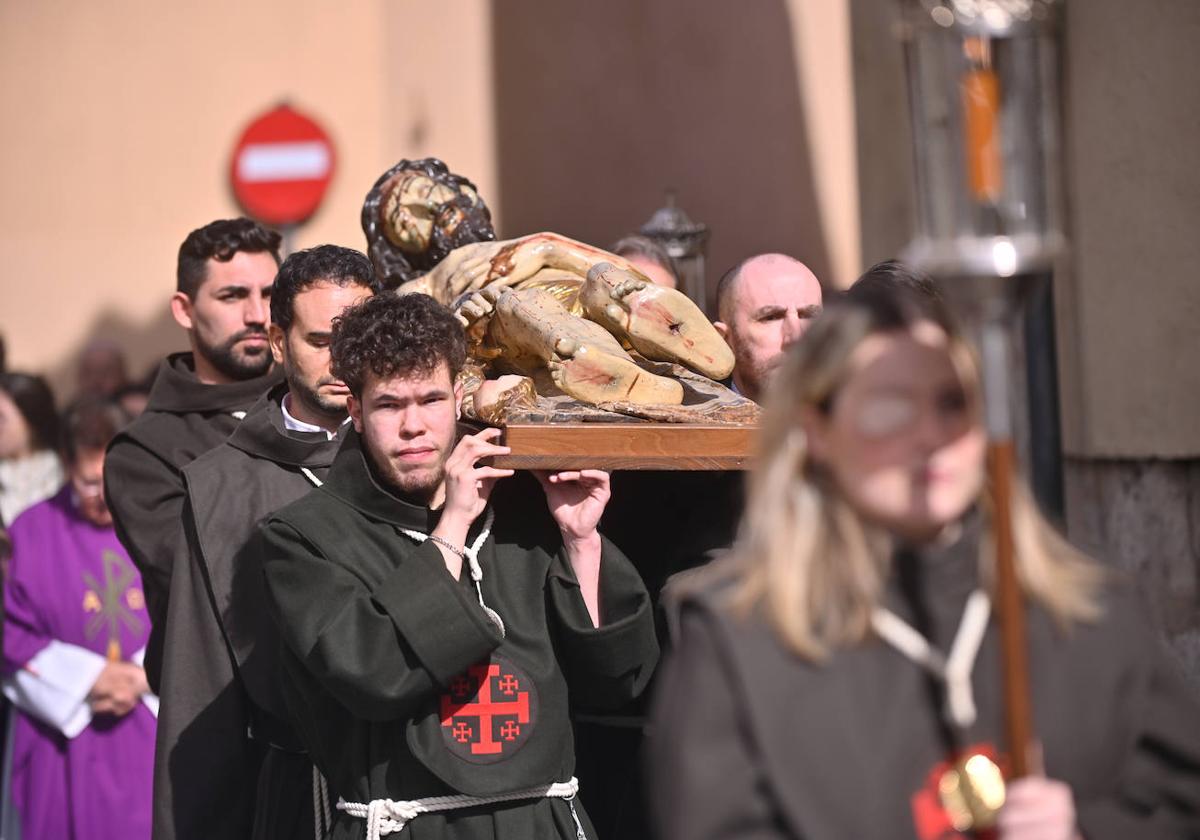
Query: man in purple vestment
(75, 627)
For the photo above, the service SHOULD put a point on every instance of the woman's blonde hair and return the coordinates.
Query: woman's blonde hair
(805, 557)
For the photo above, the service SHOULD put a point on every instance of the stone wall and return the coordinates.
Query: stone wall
(1143, 517)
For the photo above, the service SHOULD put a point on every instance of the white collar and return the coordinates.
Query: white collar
(290, 422)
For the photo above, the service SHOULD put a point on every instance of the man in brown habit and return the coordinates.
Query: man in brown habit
(224, 278)
(227, 763)
(432, 628)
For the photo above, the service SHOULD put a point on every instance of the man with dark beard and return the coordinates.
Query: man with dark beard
(227, 763)
(438, 625)
(224, 277)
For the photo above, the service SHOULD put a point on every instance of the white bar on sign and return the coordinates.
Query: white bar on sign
(283, 161)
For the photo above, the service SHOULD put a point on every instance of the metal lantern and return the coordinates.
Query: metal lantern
(983, 94)
(686, 242)
(984, 102)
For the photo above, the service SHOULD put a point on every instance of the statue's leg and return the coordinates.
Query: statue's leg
(660, 323)
(583, 359)
(593, 376)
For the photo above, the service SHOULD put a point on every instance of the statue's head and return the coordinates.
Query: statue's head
(418, 212)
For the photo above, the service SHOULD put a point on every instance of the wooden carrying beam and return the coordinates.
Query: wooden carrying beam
(626, 446)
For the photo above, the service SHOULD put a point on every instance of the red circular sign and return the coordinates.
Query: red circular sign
(281, 167)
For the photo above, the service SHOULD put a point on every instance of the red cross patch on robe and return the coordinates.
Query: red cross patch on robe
(489, 712)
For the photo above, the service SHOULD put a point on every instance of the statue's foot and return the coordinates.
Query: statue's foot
(593, 376)
(661, 323)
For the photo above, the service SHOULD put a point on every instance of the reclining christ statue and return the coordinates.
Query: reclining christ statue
(550, 316)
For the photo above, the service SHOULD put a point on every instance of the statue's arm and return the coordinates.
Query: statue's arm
(508, 263)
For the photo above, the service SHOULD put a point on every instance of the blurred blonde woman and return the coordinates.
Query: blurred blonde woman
(838, 675)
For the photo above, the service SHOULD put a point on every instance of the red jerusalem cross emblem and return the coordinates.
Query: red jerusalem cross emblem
(489, 712)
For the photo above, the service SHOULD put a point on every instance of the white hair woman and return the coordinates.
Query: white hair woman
(838, 675)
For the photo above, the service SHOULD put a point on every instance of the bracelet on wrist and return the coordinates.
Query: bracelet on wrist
(461, 553)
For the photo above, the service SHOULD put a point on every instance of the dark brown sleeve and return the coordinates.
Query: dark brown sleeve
(203, 755)
(145, 495)
(705, 778)
(608, 665)
(1158, 793)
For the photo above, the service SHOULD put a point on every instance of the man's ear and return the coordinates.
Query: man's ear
(723, 330)
(276, 337)
(458, 400)
(181, 310)
(354, 407)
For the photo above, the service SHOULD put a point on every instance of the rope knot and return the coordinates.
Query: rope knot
(387, 816)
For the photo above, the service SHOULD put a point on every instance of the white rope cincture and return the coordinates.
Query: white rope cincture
(316, 482)
(322, 818)
(385, 816)
(955, 670)
(471, 552)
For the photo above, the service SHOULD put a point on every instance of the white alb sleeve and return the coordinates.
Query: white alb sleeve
(54, 685)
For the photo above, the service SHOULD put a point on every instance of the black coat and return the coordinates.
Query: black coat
(143, 484)
(667, 523)
(751, 741)
(221, 702)
(381, 640)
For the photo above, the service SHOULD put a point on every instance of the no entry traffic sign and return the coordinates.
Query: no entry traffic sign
(281, 167)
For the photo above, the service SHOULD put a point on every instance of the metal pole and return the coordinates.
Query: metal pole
(1010, 599)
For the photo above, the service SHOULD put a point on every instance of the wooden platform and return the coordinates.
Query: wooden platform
(627, 446)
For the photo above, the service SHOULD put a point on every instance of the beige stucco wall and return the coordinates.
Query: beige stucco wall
(822, 44)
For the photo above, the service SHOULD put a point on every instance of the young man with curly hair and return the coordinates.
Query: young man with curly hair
(224, 277)
(435, 611)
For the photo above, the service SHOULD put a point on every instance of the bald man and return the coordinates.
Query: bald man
(765, 303)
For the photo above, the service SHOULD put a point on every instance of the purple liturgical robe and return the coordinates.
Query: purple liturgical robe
(73, 602)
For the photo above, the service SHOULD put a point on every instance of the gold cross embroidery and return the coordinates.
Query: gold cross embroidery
(106, 601)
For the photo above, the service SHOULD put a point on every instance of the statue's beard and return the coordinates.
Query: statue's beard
(460, 221)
